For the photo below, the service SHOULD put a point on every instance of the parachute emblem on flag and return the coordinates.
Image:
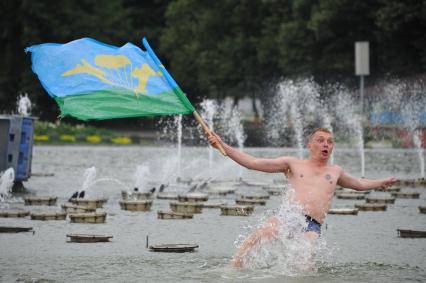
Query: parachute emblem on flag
(118, 72)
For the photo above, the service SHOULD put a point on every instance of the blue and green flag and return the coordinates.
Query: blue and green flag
(92, 80)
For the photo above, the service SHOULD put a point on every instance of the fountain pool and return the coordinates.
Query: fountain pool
(360, 248)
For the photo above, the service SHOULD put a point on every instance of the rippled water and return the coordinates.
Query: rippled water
(363, 248)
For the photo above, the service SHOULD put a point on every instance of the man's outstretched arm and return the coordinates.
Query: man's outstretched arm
(358, 184)
(275, 165)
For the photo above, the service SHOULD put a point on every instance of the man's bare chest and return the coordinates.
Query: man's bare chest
(323, 177)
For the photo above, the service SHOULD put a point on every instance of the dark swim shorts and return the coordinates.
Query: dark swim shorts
(313, 225)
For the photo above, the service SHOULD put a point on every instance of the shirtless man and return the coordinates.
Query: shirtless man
(313, 181)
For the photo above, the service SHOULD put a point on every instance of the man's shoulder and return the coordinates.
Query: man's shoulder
(336, 168)
(291, 159)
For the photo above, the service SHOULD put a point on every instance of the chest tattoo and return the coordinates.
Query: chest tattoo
(328, 177)
(301, 175)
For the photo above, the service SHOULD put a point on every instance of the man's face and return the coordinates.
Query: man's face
(321, 145)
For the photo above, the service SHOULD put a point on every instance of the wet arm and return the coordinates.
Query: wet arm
(275, 165)
(269, 165)
(360, 184)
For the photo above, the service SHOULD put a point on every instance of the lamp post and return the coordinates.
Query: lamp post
(362, 66)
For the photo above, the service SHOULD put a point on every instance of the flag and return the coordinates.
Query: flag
(92, 80)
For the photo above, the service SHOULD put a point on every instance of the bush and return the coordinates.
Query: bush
(93, 139)
(121, 140)
(67, 138)
(60, 133)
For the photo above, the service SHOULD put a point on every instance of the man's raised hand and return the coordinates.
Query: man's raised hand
(214, 140)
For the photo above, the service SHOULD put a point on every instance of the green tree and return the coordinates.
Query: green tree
(220, 48)
(191, 42)
(147, 19)
(215, 48)
(402, 37)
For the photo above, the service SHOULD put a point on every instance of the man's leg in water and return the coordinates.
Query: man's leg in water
(268, 231)
(311, 237)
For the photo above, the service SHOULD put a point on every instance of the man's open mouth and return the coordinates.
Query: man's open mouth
(325, 152)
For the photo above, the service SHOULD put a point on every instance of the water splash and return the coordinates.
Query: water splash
(393, 99)
(172, 131)
(24, 105)
(178, 122)
(89, 176)
(411, 111)
(6, 184)
(347, 116)
(418, 143)
(290, 253)
(90, 180)
(277, 124)
(141, 177)
(230, 127)
(298, 127)
(296, 105)
(208, 111)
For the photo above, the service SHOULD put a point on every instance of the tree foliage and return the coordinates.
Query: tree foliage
(220, 48)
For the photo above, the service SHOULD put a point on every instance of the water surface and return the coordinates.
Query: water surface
(363, 248)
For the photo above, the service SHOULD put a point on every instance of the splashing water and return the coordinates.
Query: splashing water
(208, 111)
(277, 124)
(393, 99)
(290, 253)
(6, 184)
(230, 125)
(298, 127)
(24, 105)
(89, 178)
(240, 137)
(360, 136)
(178, 122)
(172, 130)
(350, 119)
(231, 128)
(296, 104)
(141, 177)
(418, 143)
(411, 112)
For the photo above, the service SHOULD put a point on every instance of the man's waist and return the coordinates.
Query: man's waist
(311, 219)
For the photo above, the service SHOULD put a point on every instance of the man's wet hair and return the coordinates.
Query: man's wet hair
(325, 130)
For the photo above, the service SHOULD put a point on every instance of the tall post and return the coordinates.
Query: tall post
(362, 67)
(361, 94)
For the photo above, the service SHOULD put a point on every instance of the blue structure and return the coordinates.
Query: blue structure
(16, 145)
(393, 118)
